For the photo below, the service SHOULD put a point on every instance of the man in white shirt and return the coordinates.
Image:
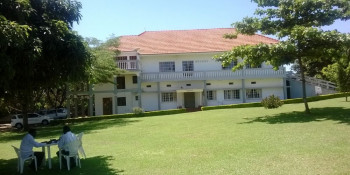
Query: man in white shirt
(67, 137)
(27, 145)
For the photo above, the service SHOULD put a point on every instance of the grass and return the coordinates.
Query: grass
(227, 141)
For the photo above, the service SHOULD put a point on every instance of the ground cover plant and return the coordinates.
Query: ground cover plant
(226, 141)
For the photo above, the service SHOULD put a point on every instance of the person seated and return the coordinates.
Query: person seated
(66, 138)
(27, 145)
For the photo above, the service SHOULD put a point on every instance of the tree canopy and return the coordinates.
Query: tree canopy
(38, 49)
(103, 66)
(298, 24)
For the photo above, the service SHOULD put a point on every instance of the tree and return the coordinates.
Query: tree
(103, 65)
(339, 72)
(297, 23)
(38, 49)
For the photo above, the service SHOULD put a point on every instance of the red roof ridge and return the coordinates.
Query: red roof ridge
(183, 30)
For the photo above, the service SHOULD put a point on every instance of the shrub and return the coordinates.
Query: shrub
(137, 110)
(271, 102)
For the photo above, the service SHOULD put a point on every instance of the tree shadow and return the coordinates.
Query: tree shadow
(91, 165)
(338, 114)
(54, 131)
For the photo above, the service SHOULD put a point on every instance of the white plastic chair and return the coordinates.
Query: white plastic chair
(81, 149)
(73, 152)
(21, 160)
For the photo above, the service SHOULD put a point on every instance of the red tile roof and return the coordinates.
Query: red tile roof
(187, 41)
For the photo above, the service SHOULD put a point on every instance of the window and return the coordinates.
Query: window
(249, 66)
(208, 84)
(168, 97)
(132, 58)
(230, 83)
(136, 98)
(168, 85)
(134, 79)
(167, 66)
(188, 84)
(253, 93)
(148, 86)
(229, 67)
(120, 82)
(187, 66)
(122, 58)
(231, 94)
(253, 82)
(121, 101)
(211, 95)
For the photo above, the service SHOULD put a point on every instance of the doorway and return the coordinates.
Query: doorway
(107, 106)
(189, 100)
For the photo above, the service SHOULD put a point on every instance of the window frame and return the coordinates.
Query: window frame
(232, 94)
(211, 95)
(167, 66)
(230, 66)
(168, 97)
(120, 102)
(253, 93)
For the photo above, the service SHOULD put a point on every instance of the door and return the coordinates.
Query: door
(107, 106)
(189, 100)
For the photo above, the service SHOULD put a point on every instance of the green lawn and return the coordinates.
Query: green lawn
(228, 141)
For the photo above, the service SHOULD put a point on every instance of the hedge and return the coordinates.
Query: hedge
(114, 116)
(288, 101)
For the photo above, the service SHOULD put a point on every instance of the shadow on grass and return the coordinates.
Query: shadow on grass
(54, 131)
(91, 165)
(338, 114)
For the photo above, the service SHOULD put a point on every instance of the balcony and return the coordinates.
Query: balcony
(128, 64)
(213, 75)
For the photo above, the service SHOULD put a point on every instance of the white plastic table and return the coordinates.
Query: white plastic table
(48, 153)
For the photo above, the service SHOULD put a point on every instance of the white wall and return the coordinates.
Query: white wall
(296, 89)
(266, 82)
(149, 101)
(202, 62)
(99, 102)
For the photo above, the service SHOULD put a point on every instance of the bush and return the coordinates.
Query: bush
(271, 102)
(137, 110)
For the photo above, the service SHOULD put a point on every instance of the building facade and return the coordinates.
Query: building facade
(176, 69)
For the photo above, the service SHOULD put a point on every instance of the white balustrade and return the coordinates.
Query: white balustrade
(127, 64)
(210, 75)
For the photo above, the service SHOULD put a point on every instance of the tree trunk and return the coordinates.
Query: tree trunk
(307, 110)
(27, 95)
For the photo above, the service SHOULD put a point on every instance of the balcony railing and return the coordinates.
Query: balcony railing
(210, 75)
(128, 64)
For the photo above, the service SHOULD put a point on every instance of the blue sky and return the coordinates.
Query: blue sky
(102, 18)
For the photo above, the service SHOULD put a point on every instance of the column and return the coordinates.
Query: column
(205, 93)
(91, 95)
(139, 90)
(243, 91)
(115, 98)
(159, 95)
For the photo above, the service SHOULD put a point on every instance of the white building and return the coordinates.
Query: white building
(175, 69)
